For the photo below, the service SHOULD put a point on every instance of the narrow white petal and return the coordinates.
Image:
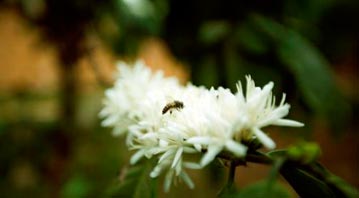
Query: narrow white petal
(192, 165)
(264, 139)
(210, 155)
(137, 156)
(156, 171)
(237, 148)
(286, 122)
(199, 140)
(168, 180)
(198, 147)
(187, 179)
(274, 115)
(166, 155)
(177, 157)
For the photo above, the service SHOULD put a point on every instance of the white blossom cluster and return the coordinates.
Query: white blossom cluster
(164, 119)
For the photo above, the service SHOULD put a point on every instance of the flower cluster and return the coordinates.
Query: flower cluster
(164, 119)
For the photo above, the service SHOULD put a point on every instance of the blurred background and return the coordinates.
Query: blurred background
(58, 57)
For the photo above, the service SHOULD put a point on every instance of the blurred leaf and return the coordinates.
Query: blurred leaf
(213, 31)
(137, 183)
(233, 66)
(311, 180)
(305, 184)
(260, 190)
(77, 186)
(273, 174)
(250, 39)
(340, 187)
(206, 73)
(310, 69)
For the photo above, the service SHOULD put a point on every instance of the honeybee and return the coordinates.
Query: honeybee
(172, 105)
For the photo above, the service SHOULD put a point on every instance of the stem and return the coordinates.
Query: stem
(255, 157)
(232, 173)
(258, 157)
(228, 188)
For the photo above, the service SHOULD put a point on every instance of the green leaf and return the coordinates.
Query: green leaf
(260, 190)
(137, 183)
(250, 39)
(304, 183)
(206, 73)
(310, 69)
(213, 31)
(76, 186)
(309, 178)
(338, 185)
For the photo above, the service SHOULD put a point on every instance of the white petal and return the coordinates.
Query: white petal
(156, 171)
(198, 147)
(199, 140)
(177, 156)
(137, 156)
(187, 179)
(166, 155)
(192, 165)
(190, 150)
(286, 122)
(168, 180)
(210, 155)
(237, 148)
(264, 139)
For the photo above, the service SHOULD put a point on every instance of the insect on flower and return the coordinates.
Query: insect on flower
(172, 105)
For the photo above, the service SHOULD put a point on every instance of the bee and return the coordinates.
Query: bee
(172, 105)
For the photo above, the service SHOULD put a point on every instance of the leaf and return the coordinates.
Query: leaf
(309, 178)
(310, 69)
(77, 186)
(304, 183)
(260, 190)
(250, 39)
(213, 31)
(137, 183)
(340, 187)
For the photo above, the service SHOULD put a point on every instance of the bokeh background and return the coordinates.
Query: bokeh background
(58, 57)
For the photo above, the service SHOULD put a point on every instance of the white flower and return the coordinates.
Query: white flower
(126, 102)
(166, 120)
(257, 109)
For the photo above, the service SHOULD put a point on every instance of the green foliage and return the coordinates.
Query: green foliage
(310, 69)
(213, 32)
(259, 190)
(305, 183)
(338, 185)
(76, 187)
(136, 183)
(307, 177)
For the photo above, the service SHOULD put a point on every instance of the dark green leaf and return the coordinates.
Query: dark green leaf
(300, 173)
(310, 69)
(213, 31)
(304, 183)
(250, 39)
(338, 185)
